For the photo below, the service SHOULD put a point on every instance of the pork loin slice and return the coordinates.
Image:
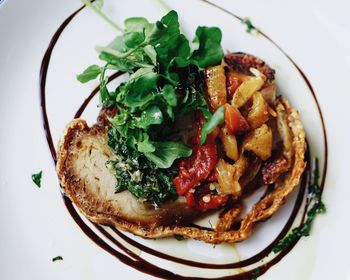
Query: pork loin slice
(81, 167)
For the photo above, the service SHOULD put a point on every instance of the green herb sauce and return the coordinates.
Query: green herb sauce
(315, 206)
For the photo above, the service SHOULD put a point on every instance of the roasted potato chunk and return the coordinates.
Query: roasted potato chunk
(259, 141)
(230, 144)
(246, 90)
(258, 113)
(225, 173)
(229, 174)
(215, 79)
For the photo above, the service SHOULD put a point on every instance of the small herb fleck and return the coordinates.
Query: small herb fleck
(179, 237)
(314, 205)
(249, 25)
(256, 273)
(36, 178)
(58, 258)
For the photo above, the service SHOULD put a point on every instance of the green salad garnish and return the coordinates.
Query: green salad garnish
(165, 81)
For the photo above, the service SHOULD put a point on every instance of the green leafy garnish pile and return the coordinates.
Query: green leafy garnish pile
(165, 81)
(315, 206)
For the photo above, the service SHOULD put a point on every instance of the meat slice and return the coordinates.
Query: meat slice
(83, 174)
(81, 168)
(83, 152)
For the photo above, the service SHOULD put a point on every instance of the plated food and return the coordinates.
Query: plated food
(192, 131)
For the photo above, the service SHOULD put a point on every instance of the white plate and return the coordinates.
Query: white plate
(37, 225)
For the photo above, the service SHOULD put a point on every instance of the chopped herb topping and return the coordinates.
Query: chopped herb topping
(137, 174)
(58, 258)
(314, 205)
(36, 178)
(249, 25)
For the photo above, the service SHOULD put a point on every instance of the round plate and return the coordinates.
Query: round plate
(45, 222)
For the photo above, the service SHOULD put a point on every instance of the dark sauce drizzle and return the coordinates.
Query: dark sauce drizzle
(132, 259)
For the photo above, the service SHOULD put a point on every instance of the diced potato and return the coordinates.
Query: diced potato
(246, 90)
(226, 178)
(239, 76)
(241, 166)
(215, 79)
(258, 113)
(259, 141)
(230, 144)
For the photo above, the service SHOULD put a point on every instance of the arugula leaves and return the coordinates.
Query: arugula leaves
(165, 81)
(164, 74)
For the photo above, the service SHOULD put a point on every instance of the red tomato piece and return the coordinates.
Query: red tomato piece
(213, 177)
(234, 121)
(190, 200)
(205, 202)
(196, 168)
(212, 201)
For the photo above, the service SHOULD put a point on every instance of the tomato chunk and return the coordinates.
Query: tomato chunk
(213, 177)
(200, 164)
(196, 168)
(211, 201)
(206, 202)
(232, 83)
(234, 121)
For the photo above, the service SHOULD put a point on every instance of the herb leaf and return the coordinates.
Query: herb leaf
(249, 25)
(152, 115)
(213, 122)
(209, 51)
(167, 152)
(36, 178)
(58, 258)
(142, 91)
(170, 95)
(89, 73)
